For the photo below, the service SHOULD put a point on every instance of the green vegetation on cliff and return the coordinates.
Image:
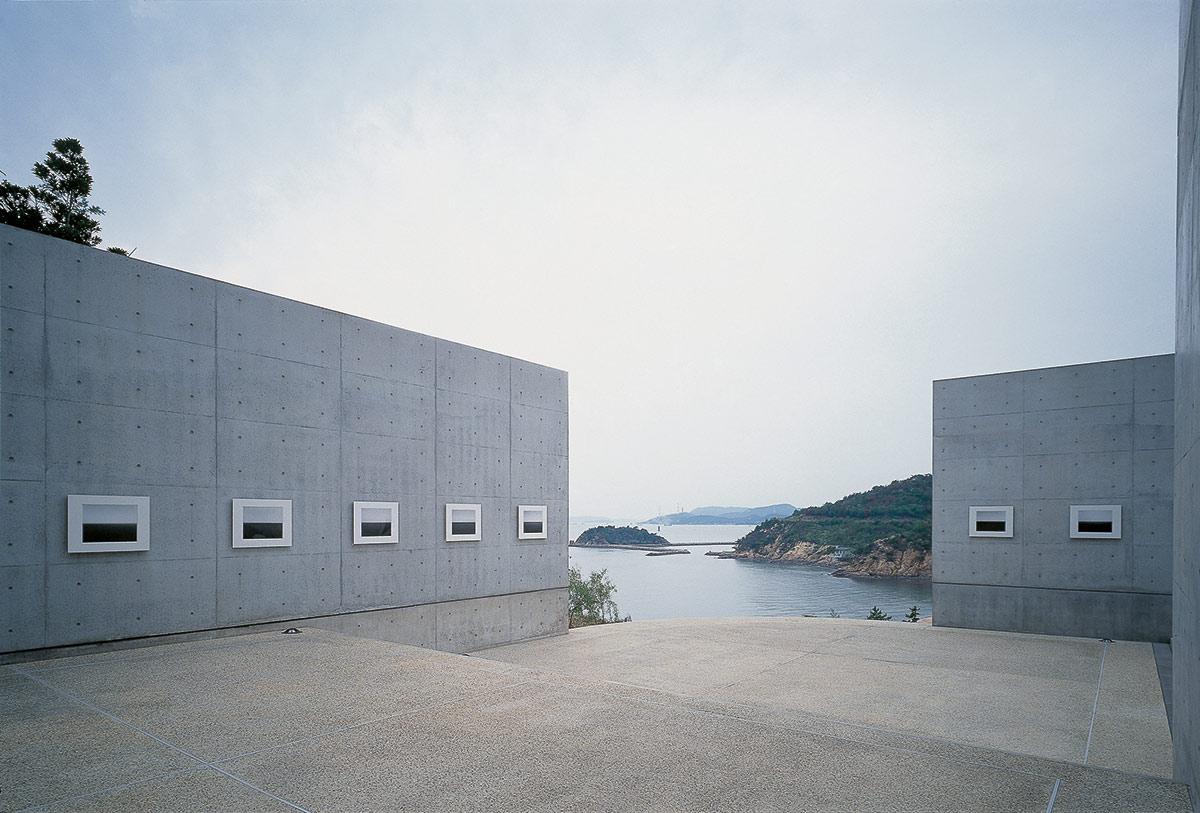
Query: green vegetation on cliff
(900, 512)
(624, 535)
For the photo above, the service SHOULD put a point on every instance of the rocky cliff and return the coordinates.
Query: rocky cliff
(887, 558)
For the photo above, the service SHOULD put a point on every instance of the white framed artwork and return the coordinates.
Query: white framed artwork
(107, 524)
(262, 523)
(376, 523)
(1095, 522)
(990, 520)
(531, 522)
(464, 522)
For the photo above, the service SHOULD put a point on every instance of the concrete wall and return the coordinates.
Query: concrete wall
(1185, 643)
(1040, 441)
(122, 377)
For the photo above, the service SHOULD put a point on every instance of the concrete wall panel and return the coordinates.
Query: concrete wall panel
(271, 390)
(1153, 473)
(96, 442)
(23, 534)
(999, 561)
(373, 349)
(22, 369)
(1086, 429)
(378, 406)
(986, 481)
(1080, 476)
(499, 520)
(387, 576)
(1154, 378)
(1152, 568)
(537, 476)
(1154, 425)
(23, 443)
(1151, 520)
(537, 567)
(472, 420)
(23, 596)
(102, 365)
(1088, 564)
(415, 626)
(277, 586)
(127, 294)
(182, 521)
(22, 271)
(472, 569)
(376, 464)
(256, 322)
(420, 521)
(981, 395)
(261, 456)
(471, 371)
(1087, 614)
(1080, 385)
(538, 386)
(465, 626)
(537, 615)
(966, 447)
(108, 600)
(976, 607)
(539, 430)
(315, 526)
(472, 470)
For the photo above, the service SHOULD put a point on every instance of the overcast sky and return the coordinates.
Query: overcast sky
(752, 233)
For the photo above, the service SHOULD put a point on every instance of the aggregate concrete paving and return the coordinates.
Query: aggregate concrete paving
(750, 714)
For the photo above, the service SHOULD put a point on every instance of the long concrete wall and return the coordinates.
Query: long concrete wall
(1185, 642)
(1041, 441)
(122, 377)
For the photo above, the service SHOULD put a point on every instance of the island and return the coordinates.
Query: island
(883, 532)
(627, 537)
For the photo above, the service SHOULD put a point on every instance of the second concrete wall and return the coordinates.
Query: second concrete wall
(1040, 441)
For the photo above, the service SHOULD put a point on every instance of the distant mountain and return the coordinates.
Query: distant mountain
(724, 515)
(900, 513)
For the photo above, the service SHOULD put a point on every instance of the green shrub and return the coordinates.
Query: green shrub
(591, 601)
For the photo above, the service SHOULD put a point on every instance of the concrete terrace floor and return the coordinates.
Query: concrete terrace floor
(787, 714)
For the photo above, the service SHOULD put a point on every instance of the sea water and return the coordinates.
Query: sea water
(693, 585)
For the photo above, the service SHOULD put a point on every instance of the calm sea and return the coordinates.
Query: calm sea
(698, 586)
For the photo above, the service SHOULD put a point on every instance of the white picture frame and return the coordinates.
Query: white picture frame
(529, 516)
(107, 523)
(262, 523)
(464, 522)
(1087, 521)
(369, 519)
(983, 521)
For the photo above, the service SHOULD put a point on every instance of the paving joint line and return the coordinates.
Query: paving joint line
(160, 740)
(1053, 795)
(1095, 705)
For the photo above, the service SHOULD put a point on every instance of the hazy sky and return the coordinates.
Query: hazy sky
(752, 233)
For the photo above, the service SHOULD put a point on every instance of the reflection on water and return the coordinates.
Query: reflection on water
(698, 586)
